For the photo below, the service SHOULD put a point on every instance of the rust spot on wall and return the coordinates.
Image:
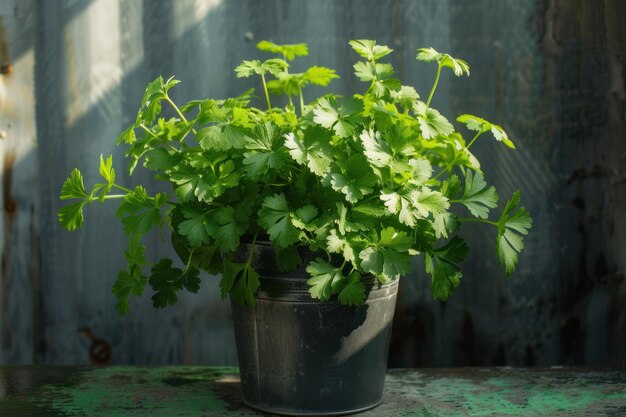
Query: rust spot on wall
(99, 350)
(5, 63)
(9, 218)
(7, 179)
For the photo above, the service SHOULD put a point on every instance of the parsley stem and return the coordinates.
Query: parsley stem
(473, 220)
(113, 196)
(432, 90)
(474, 140)
(267, 94)
(440, 173)
(301, 101)
(128, 190)
(148, 130)
(189, 261)
(252, 246)
(180, 114)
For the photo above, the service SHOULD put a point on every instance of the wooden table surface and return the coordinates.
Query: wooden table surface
(214, 391)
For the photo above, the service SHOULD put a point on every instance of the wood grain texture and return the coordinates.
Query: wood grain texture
(550, 71)
(214, 391)
(21, 321)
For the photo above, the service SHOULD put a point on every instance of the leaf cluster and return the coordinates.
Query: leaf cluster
(368, 181)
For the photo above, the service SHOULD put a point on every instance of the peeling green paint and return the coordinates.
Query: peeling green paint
(127, 392)
(212, 391)
(516, 393)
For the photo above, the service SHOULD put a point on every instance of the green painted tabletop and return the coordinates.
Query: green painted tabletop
(214, 391)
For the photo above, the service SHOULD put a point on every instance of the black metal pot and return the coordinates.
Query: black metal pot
(299, 356)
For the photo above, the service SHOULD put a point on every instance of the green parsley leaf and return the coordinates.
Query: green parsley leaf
(512, 226)
(206, 257)
(478, 124)
(228, 229)
(387, 256)
(128, 136)
(402, 203)
(275, 217)
(340, 244)
(125, 286)
(265, 150)
(165, 282)
(377, 151)
(210, 112)
(273, 66)
(477, 197)
(421, 170)
(311, 149)
(203, 179)
(190, 280)
(131, 281)
(248, 68)
(441, 264)
(406, 96)
(367, 71)
(428, 201)
(354, 180)
(290, 52)
(431, 122)
(221, 137)
(71, 215)
(353, 291)
(321, 76)
(160, 159)
(451, 187)
(135, 254)
(326, 280)
(444, 224)
(241, 281)
(360, 218)
(151, 101)
(369, 50)
(342, 120)
(444, 60)
(198, 226)
(139, 212)
(74, 187)
(412, 203)
(326, 113)
(107, 172)
(288, 259)
(303, 217)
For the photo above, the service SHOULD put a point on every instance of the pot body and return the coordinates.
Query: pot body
(300, 356)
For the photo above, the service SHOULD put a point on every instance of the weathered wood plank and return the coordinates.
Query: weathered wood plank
(213, 391)
(21, 320)
(551, 71)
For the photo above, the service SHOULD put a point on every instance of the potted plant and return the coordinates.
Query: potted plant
(310, 212)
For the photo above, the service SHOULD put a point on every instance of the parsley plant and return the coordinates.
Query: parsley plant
(370, 179)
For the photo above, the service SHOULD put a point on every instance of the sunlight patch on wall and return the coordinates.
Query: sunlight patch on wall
(94, 61)
(188, 14)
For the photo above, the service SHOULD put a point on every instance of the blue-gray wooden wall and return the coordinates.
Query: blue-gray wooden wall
(550, 71)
